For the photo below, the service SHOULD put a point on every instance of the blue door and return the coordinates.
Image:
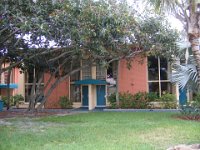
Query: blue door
(182, 96)
(85, 95)
(101, 92)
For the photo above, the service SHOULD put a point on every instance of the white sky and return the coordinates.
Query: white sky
(175, 23)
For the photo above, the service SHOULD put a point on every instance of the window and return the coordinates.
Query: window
(4, 77)
(101, 72)
(86, 72)
(111, 78)
(29, 79)
(158, 71)
(75, 93)
(75, 90)
(112, 70)
(76, 75)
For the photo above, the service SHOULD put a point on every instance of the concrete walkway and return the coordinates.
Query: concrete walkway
(83, 110)
(141, 110)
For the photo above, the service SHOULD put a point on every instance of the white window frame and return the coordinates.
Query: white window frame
(159, 81)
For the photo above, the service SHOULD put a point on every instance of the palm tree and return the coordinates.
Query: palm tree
(185, 76)
(188, 12)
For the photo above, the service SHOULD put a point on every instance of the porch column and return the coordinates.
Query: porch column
(91, 103)
(177, 94)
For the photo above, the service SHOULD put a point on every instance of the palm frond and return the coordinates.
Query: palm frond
(185, 75)
(183, 44)
(163, 5)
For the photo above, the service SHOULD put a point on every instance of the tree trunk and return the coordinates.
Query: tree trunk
(38, 95)
(41, 95)
(194, 38)
(196, 53)
(32, 99)
(117, 83)
(8, 89)
(1, 63)
(46, 96)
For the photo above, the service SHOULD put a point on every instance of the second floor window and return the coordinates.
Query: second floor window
(86, 72)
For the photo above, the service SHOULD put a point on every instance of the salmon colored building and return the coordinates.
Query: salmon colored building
(16, 85)
(90, 87)
(135, 79)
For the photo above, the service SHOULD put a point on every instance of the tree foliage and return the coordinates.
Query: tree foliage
(53, 36)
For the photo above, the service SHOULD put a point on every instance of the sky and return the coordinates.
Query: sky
(175, 23)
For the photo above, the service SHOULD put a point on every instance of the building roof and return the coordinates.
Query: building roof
(11, 86)
(91, 81)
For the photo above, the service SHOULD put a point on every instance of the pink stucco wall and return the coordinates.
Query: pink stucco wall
(61, 90)
(14, 79)
(135, 79)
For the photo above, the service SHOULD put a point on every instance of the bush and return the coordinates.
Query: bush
(65, 102)
(192, 110)
(152, 96)
(112, 100)
(139, 100)
(196, 101)
(17, 98)
(126, 100)
(169, 101)
(13, 99)
(5, 100)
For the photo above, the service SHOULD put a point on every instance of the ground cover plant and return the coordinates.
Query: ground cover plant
(99, 130)
(191, 110)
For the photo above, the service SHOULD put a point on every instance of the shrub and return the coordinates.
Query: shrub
(152, 96)
(141, 100)
(65, 102)
(112, 100)
(17, 98)
(127, 100)
(169, 101)
(191, 110)
(5, 100)
(13, 99)
(196, 101)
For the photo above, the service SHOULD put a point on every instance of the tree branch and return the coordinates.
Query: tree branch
(61, 55)
(9, 36)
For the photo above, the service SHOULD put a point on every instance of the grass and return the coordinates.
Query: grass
(98, 131)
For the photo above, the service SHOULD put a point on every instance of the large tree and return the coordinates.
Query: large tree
(188, 12)
(99, 31)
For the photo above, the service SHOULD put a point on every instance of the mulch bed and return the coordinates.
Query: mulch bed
(188, 117)
(24, 113)
(12, 114)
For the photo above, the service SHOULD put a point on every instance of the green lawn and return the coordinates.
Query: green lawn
(98, 131)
